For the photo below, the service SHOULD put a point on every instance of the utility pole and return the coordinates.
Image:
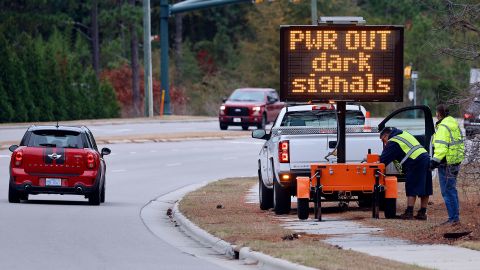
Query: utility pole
(414, 79)
(147, 59)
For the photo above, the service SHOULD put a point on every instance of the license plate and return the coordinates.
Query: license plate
(237, 120)
(53, 182)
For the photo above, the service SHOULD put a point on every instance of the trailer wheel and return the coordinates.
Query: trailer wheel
(302, 208)
(281, 199)
(265, 194)
(390, 208)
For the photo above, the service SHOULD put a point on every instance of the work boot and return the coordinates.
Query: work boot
(407, 215)
(421, 215)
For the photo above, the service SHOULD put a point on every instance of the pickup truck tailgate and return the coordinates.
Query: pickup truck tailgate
(308, 146)
(306, 149)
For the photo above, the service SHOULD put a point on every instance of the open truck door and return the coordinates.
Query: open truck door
(418, 121)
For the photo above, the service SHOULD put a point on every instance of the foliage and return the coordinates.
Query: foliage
(42, 81)
(46, 68)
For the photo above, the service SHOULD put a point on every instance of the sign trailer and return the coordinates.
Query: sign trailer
(343, 62)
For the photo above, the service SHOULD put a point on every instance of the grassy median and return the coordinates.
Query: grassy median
(220, 209)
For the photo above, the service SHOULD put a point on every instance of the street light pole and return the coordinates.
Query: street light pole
(314, 12)
(147, 61)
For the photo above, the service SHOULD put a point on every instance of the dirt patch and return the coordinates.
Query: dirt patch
(245, 224)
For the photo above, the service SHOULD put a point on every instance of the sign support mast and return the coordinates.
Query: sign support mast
(341, 104)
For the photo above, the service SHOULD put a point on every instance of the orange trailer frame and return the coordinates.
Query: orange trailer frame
(327, 178)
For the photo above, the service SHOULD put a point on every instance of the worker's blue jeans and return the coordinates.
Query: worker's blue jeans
(448, 181)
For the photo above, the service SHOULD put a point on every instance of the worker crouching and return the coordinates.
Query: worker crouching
(411, 158)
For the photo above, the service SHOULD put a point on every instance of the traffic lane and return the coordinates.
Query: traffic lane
(53, 232)
(15, 134)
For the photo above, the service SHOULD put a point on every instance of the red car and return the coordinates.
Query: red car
(250, 107)
(57, 160)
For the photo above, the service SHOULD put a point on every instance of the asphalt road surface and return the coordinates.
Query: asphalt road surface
(64, 232)
(13, 133)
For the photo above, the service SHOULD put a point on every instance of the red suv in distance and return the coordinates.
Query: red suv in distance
(250, 107)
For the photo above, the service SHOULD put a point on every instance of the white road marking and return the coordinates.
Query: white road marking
(121, 170)
(133, 153)
(4, 156)
(173, 164)
(229, 158)
(153, 151)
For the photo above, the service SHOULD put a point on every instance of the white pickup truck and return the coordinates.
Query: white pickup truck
(307, 134)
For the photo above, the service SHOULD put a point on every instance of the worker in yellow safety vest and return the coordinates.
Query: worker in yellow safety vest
(411, 158)
(448, 154)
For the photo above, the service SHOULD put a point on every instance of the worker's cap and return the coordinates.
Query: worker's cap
(385, 130)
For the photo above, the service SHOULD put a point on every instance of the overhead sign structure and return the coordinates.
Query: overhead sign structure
(341, 63)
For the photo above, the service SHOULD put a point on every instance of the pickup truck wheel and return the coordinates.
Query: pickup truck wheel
(13, 195)
(365, 200)
(263, 123)
(390, 208)
(245, 127)
(281, 199)
(265, 194)
(303, 208)
(223, 126)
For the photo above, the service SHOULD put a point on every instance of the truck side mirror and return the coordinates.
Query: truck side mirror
(13, 147)
(224, 99)
(260, 134)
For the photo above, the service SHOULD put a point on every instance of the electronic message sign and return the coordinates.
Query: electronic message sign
(341, 62)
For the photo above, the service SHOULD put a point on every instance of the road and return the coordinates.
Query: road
(13, 133)
(64, 232)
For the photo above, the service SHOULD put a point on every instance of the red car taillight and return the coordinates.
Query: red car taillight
(18, 158)
(90, 161)
(468, 116)
(284, 151)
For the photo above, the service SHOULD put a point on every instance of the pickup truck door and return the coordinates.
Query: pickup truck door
(273, 106)
(417, 120)
(268, 158)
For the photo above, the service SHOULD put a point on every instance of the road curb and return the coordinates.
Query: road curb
(202, 236)
(263, 261)
(269, 262)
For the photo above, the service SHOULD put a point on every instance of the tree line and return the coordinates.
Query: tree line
(69, 52)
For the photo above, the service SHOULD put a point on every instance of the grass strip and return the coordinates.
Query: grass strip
(220, 209)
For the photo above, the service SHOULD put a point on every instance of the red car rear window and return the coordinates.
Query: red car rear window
(55, 138)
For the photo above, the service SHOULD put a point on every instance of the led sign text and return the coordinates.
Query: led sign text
(358, 63)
